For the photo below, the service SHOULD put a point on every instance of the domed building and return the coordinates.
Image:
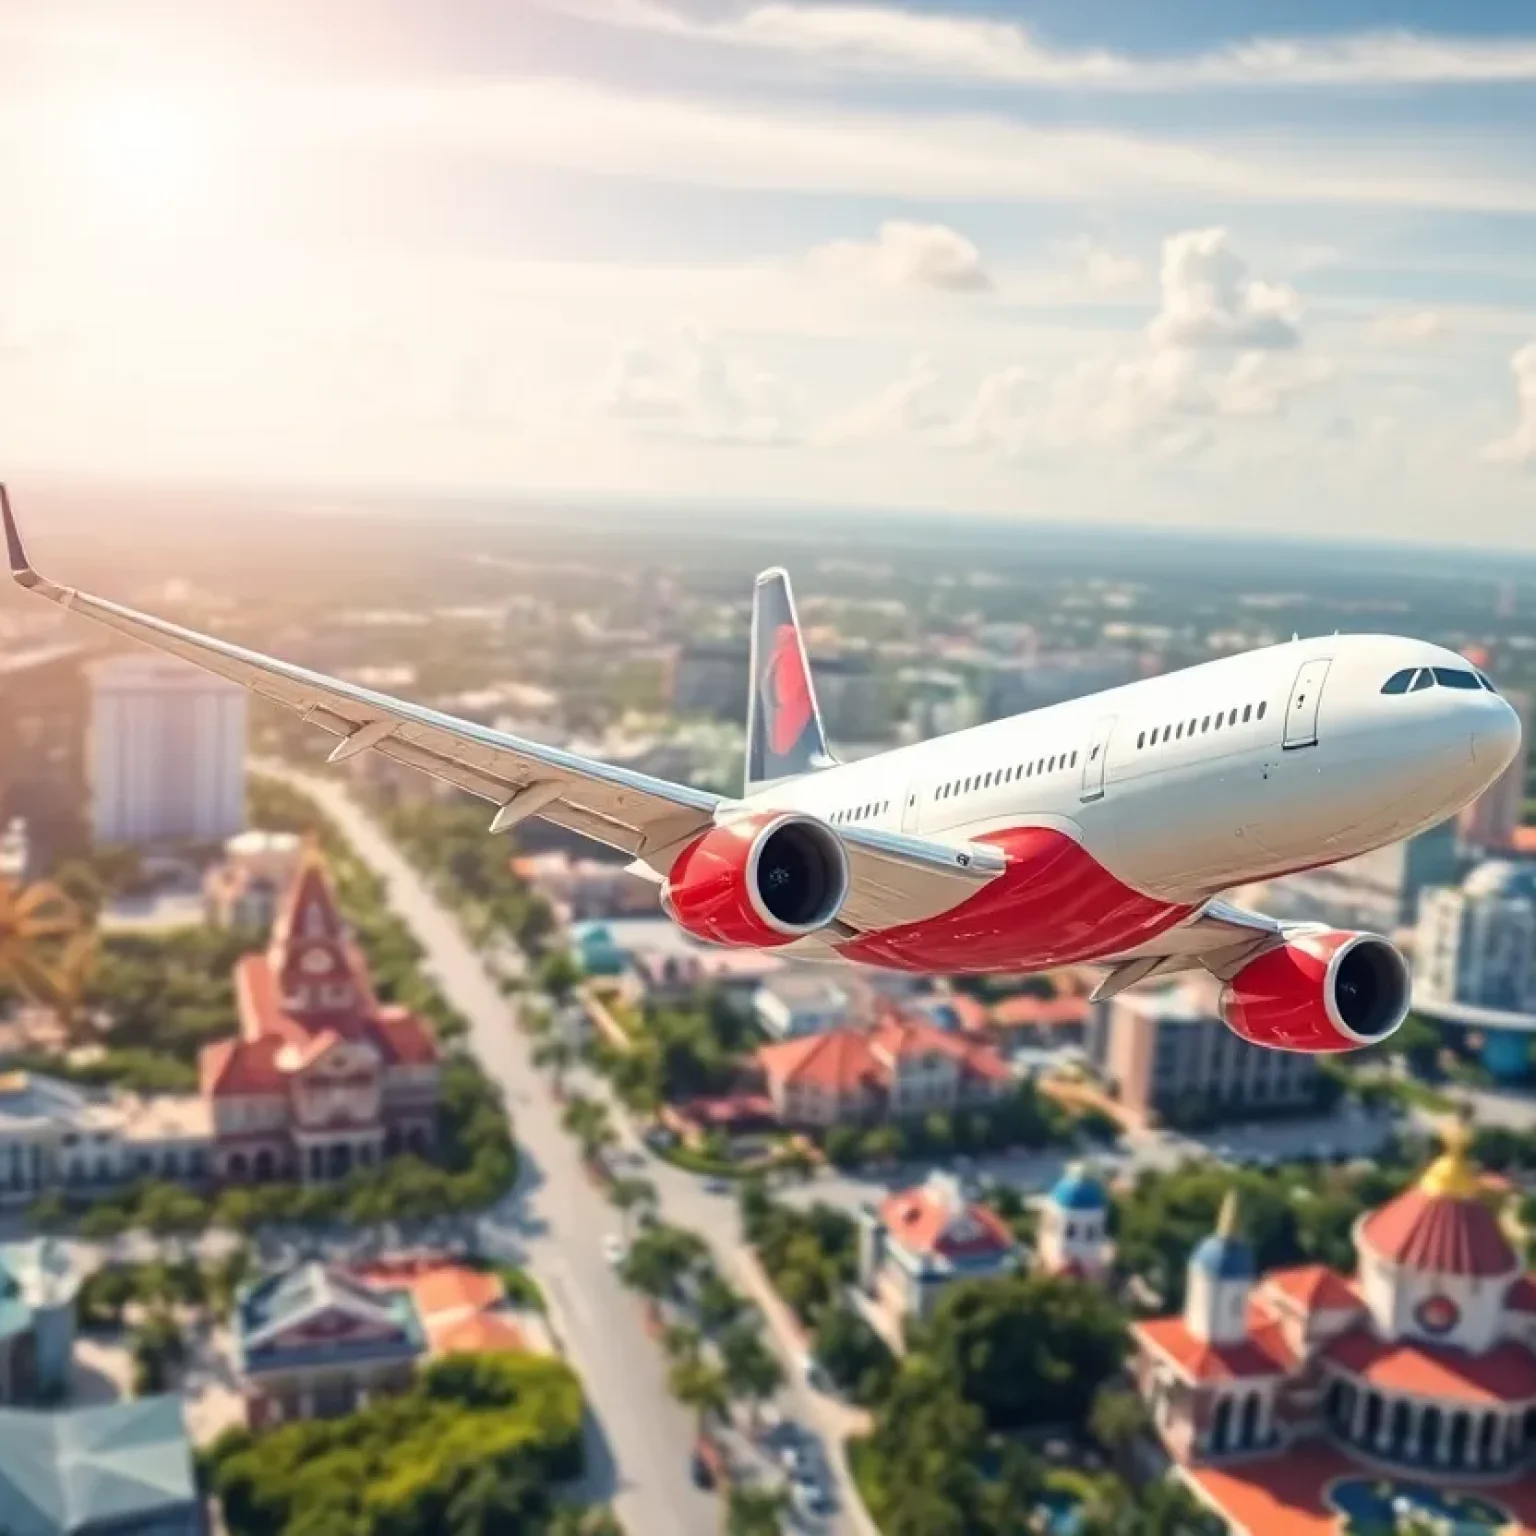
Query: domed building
(1270, 1389)
(1073, 1236)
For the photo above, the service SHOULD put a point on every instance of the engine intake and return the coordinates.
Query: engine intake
(1320, 992)
(761, 881)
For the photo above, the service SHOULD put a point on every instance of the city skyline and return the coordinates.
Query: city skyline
(1261, 273)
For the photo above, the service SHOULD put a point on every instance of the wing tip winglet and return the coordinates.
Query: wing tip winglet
(21, 567)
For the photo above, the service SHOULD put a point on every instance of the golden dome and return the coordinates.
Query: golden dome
(1451, 1175)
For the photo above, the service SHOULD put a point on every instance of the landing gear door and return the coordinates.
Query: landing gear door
(1095, 759)
(1301, 711)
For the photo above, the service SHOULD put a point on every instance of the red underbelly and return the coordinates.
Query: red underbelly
(1055, 904)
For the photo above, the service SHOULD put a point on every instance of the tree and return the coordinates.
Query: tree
(1030, 1349)
(632, 1196)
(752, 1371)
(661, 1259)
(1117, 1418)
(560, 975)
(554, 1055)
(682, 1341)
(700, 1386)
(854, 1356)
(754, 1512)
(718, 1305)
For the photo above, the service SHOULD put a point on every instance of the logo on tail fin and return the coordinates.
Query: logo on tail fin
(786, 692)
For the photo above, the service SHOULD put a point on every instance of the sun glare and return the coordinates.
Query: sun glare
(146, 151)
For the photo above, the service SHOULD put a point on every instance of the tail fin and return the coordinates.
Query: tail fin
(784, 733)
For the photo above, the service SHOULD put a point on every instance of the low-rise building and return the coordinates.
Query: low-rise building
(919, 1241)
(462, 1310)
(322, 1078)
(315, 1343)
(55, 1134)
(38, 1285)
(583, 889)
(1283, 1389)
(1165, 1053)
(121, 1469)
(898, 1067)
(796, 1002)
(258, 868)
(1073, 1236)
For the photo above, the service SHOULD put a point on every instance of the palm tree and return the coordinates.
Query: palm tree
(34, 922)
(755, 1512)
(632, 1196)
(698, 1385)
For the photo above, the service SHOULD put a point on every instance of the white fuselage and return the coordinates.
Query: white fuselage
(1198, 781)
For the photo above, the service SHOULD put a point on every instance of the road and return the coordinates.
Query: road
(640, 1440)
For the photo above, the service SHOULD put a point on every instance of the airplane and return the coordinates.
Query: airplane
(1103, 831)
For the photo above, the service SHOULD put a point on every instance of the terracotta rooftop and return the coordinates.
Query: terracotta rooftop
(1263, 1353)
(1024, 1011)
(935, 1218)
(1313, 1288)
(1504, 1374)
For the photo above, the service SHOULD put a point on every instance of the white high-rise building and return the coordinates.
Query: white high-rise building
(1476, 943)
(167, 752)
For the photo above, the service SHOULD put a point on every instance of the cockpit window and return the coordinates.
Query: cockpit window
(1482, 677)
(1398, 682)
(1454, 677)
(1425, 679)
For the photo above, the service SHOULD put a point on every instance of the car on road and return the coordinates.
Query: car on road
(615, 1249)
(715, 1185)
(810, 1499)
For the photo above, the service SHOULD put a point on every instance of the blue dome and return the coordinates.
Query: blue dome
(1224, 1258)
(1079, 1192)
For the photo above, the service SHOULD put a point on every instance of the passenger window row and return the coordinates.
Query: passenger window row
(1417, 679)
(1010, 775)
(862, 812)
(1223, 719)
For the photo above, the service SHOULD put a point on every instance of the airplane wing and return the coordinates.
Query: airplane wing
(893, 878)
(617, 806)
(1220, 938)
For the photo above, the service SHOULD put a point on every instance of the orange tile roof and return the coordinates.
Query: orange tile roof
(1313, 1287)
(240, 1068)
(1263, 1353)
(917, 1220)
(1024, 1012)
(1504, 1374)
(1441, 1233)
(839, 1061)
(482, 1333)
(453, 1288)
(1524, 840)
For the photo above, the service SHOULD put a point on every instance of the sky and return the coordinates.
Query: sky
(1243, 265)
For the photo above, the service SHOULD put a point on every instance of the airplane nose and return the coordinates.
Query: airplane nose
(1496, 736)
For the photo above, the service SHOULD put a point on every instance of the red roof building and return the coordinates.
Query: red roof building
(321, 1078)
(920, 1240)
(1424, 1360)
(899, 1066)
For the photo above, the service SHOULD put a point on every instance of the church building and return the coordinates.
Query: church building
(321, 1078)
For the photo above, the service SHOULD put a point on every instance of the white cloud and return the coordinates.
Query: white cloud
(884, 39)
(1209, 301)
(907, 255)
(909, 407)
(692, 387)
(570, 125)
(1407, 327)
(1102, 267)
(1519, 447)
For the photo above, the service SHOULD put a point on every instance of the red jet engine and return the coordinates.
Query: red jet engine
(1320, 992)
(758, 882)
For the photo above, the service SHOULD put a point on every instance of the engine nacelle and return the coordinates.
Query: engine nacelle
(758, 882)
(1320, 992)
